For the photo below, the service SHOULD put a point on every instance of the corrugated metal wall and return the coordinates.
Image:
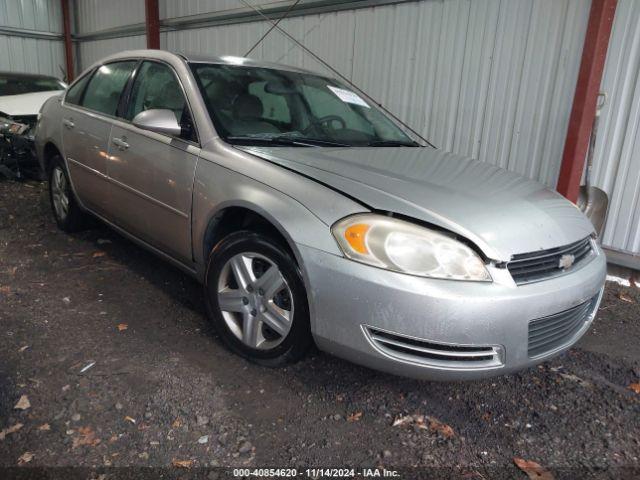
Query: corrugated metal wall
(31, 55)
(617, 154)
(95, 15)
(183, 8)
(43, 15)
(93, 50)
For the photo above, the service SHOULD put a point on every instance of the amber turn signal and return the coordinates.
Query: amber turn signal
(355, 236)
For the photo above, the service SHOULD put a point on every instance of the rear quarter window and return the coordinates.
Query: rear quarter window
(74, 94)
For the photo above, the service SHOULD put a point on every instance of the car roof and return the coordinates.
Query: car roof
(198, 58)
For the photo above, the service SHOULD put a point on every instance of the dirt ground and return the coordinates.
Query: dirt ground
(112, 350)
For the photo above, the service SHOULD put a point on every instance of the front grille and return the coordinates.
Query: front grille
(534, 266)
(549, 333)
(437, 354)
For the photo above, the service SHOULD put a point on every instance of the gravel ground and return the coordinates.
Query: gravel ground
(112, 349)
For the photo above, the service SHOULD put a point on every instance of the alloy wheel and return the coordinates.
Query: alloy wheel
(255, 300)
(59, 193)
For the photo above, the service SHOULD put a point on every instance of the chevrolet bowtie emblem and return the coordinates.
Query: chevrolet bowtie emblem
(566, 261)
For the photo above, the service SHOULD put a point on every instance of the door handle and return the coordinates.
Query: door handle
(68, 122)
(120, 143)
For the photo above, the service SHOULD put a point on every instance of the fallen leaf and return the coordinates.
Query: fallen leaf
(177, 423)
(402, 420)
(129, 419)
(26, 457)
(122, 326)
(9, 430)
(45, 427)
(625, 298)
(443, 429)
(6, 289)
(12, 271)
(417, 420)
(534, 470)
(66, 387)
(635, 387)
(99, 254)
(23, 403)
(22, 349)
(86, 437)
(182, 463)
(354, 417)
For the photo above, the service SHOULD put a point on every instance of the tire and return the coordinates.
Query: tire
(267, 320)
(66, 211)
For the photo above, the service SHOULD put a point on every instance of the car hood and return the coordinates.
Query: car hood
(501, 212)
(26, 103)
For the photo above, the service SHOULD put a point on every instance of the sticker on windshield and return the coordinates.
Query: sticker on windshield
(348, 96)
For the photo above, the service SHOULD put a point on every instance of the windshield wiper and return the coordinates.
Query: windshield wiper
(392, 143)
(286, 140)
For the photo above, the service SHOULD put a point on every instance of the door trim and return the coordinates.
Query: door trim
(89, 169)
(191, 271)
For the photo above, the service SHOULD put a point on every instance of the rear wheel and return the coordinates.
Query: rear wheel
(256, 299)
(66, 210)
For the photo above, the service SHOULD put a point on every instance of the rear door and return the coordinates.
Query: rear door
(89, 109)
(151, 173)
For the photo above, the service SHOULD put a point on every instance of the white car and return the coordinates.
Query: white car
(21, 97)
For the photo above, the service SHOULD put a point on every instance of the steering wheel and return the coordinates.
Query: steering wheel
(325, 123)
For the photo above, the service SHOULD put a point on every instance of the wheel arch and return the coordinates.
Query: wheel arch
(234, 216)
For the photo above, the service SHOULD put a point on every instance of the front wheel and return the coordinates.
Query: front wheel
(256, 298)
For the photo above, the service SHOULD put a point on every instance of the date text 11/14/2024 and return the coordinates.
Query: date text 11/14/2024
(315, 472)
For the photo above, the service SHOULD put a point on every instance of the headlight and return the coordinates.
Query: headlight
(4, 124)
(401, 246)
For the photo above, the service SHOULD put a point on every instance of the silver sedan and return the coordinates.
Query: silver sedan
(309, 216)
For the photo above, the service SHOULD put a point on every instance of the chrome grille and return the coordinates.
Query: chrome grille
(549, 333)
(534, 266)
(421, 351)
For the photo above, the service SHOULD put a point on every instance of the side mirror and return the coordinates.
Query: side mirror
(158, 120)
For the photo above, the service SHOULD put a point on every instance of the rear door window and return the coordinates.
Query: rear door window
(106, 86)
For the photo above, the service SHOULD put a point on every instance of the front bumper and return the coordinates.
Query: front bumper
(352, 303)
(17, 150)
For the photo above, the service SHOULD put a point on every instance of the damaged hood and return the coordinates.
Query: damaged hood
(26, 103)
(500, 211)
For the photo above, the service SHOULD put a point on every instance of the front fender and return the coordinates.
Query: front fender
(48, 129)
(217, 188)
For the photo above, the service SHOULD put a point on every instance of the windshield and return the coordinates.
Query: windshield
(19, 84)
(251, 105)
